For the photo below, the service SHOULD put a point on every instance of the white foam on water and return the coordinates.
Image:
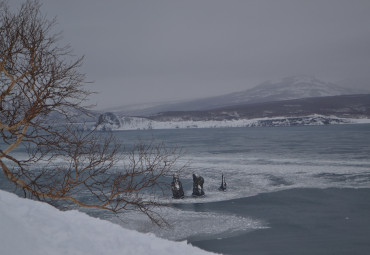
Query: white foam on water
(190, 225)
(249, 177)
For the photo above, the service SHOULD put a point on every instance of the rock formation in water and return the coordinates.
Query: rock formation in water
(198, 182)
(223, 184)
(177, 190)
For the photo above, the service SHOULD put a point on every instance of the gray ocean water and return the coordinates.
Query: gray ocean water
(291, 190)
(257, 160)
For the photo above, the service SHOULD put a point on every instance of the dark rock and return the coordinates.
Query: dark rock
(108, 121)
(198, 182)
(177, 190)
(223, 184)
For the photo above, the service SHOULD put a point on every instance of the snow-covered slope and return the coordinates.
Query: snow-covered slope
(291, 88)
(307, 111)
(285, 89)
(35, 228)
(294, 87)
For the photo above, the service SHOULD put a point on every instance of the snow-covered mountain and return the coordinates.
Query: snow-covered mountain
(306, 111)
(292, 97)
(294, 87)
(290, 88)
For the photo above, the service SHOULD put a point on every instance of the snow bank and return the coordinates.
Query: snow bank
(31, 227)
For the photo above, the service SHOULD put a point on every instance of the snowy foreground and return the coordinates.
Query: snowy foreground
(31, 227)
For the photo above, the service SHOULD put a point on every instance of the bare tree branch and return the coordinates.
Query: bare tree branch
(39, 78)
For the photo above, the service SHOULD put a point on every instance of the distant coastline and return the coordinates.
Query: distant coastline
(142, 123)
(344, 109)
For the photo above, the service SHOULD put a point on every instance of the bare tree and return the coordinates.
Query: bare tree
(38, 79)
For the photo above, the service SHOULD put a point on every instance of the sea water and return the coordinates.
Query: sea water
(257, 160)
(254, 161)
(287, 163)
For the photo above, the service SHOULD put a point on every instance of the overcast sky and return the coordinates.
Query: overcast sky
(159, 50)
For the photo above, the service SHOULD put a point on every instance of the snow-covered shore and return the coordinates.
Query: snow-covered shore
(138, 123)
(35, 228)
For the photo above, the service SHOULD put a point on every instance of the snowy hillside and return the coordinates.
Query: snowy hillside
(285, 89)
(307, 111)
(291, 88)
(35, 228)
(294, 87)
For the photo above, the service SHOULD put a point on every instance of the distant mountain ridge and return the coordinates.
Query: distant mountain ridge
(307, 111)
(345, 106)
(295, 87)
(297, 100)
(288, 88)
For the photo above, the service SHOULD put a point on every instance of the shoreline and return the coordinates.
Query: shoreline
(144, 123)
